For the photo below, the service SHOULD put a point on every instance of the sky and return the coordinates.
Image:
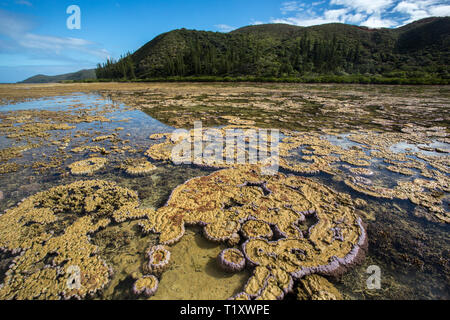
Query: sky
(35, 37)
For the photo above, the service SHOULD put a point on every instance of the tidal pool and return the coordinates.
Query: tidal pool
(408, 237)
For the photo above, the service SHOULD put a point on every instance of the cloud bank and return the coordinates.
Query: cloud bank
(370, 13)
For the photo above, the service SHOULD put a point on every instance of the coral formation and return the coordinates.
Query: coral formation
(231, 260)
(139, 167)
(104, 137)
(214, 154)
(8, 167)
(158, 259)
(256, 229)
(359, 171)
(224, 200)
(49, 246)
(312, 152)
(88, 166)
(402, 170)
(315, 287)
(146, 285)
(158, 136)
(96, 149)
(130, 212)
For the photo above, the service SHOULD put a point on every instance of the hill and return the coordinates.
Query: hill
(419, 49)
(75, 76)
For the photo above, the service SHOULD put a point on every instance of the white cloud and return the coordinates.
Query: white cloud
(440, 11)
(17, 30)
(224, 27)
(370, 13)
(375, 21)
(24, 2)
(336, 15)
(59, 45)
(12, 24)
(310, 18)
(291, 6)
(298, 21)
(366, 6)
(255, 23)
(355, 18)
(415, 10)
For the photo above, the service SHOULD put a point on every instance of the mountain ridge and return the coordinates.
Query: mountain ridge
(80, 75)
(420, 48)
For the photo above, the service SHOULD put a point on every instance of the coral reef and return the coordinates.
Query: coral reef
(313, 152)
(256, 229)
(8, 167)
(231, 260)
(359, 141)
(315, 287)
(139, 167)
(130, 212)
(104, 137)
(224, 200)
(88, 166)
(159, 136)
(158, 259)
(146, 285)
(206, 138)
(49, 234)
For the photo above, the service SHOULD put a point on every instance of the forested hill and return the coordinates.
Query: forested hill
(419, 49)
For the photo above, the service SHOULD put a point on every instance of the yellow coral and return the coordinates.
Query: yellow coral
(140, 167)
(43, 270)
(88, 166)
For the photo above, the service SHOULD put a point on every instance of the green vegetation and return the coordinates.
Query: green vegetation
(122, 69)
(418, 53)
(361, 79)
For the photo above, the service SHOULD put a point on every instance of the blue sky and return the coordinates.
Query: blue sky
(34, 37)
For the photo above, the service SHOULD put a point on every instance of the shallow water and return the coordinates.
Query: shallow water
(411, 251)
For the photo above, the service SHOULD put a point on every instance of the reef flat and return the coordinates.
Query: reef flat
(95, 207)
